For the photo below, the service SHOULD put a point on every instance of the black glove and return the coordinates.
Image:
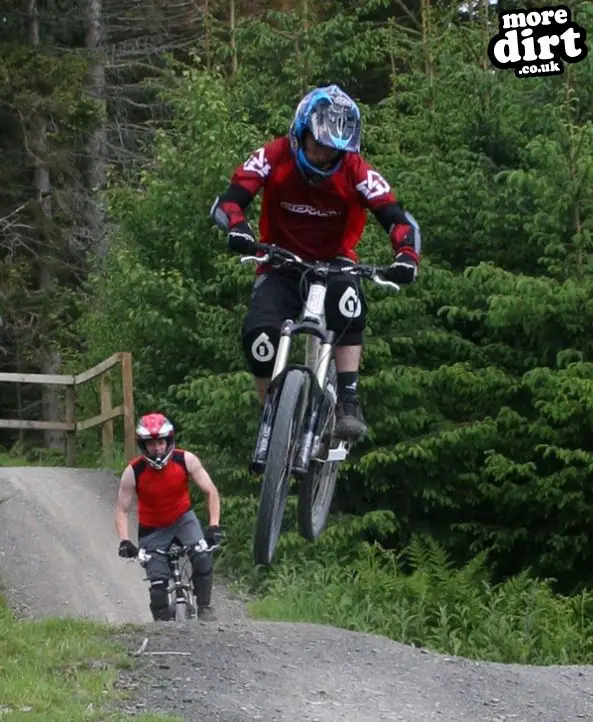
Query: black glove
(241, 239)
(404, 269)
(213, 535)
(127, 550)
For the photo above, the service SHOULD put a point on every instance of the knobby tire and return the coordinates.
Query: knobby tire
(276, 479)
(183, 611)
(316, 488)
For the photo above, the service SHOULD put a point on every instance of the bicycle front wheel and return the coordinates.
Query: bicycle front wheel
(181, 593)
(183, 609)
(283, 445)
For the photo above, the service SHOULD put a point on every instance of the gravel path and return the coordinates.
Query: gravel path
(58, 556)
(277, 672)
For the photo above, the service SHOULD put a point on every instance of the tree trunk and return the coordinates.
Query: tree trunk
(305, 76)
(233, 41)
(50, 361)
(427, 39)
(96, 175)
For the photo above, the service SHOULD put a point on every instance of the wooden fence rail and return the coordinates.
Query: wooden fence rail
(108, 411)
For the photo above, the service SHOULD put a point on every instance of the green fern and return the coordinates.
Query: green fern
(426, 554)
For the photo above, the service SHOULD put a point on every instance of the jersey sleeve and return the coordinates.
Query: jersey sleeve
(246, 181)
(373, 190)
(253, 172)
(376, 194)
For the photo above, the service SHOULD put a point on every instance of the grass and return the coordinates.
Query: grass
(87, 456)
(519, 621)
(413, 595)
(9, 460)
(60, 670)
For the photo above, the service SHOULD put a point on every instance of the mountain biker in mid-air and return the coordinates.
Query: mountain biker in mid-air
(316, 190)
(159, 477)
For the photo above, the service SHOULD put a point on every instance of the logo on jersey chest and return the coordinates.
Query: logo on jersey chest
(304, 209)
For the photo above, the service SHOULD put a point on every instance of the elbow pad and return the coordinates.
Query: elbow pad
(228, 208)
(393, 218)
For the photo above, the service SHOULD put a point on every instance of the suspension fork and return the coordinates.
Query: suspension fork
(176, 574)
(318, 356)
(269, 411)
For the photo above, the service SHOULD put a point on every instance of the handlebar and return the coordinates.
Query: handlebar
(282, 256)
(176, 552)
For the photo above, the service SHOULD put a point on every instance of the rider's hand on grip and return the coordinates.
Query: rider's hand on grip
(403, 270)
(127, 549)
(213, 535)
(241, 239)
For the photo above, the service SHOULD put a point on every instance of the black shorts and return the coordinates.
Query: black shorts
(280, 294)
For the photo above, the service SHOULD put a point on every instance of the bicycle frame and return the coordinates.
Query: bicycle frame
(318, 354)
(308, 411)
(182, 592)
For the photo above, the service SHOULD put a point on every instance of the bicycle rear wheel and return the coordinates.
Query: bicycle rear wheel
(284, 439)
(316, 493)
(316, 489)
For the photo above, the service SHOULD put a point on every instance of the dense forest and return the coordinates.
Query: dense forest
(120, 122)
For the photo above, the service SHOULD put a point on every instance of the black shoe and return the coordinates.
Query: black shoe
(162, 614)
(350, 423)
(206, 614)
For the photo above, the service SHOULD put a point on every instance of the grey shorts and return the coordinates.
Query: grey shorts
(187, 530)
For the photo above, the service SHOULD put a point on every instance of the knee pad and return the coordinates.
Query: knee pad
(159, 597)
(201, 563)
(202, 577)
(259, 346)
(345, 310)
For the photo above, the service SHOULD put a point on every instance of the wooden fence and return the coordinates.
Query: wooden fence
(108, 412)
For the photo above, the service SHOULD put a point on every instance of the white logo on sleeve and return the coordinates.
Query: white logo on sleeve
(262, 348)
(373, 186)
(258, 163)
(349, 304)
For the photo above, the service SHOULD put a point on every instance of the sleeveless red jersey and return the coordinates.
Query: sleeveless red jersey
(163, 495)
(317, 222)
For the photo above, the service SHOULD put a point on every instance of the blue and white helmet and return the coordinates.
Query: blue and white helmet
(333, 119)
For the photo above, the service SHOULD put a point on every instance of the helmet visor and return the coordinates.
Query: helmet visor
(336, 126)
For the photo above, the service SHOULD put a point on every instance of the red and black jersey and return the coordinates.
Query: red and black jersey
(163, 494)
(320, 221)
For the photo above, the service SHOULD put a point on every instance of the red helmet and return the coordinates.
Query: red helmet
(155, 426)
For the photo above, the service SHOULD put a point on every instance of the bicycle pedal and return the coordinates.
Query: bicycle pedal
(338, 454)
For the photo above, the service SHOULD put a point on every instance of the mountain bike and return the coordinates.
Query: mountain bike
(181, 597)
(296, 429)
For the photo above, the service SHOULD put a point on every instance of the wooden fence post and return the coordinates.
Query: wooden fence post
(106, 408)
(71, 419)
(104, 419)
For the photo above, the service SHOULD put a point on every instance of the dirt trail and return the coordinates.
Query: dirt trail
(58, 556)
(58, 546)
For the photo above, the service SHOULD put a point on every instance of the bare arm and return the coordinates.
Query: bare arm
(127, 488)
(205, 484)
